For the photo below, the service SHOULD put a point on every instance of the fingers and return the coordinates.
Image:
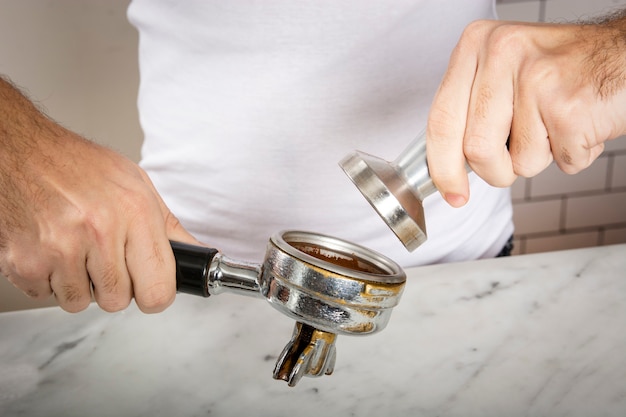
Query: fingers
(39, 290)
(149, 257)
(573, 142)
(106, 266)
(529, 145)
(23, 278)
(446, 124)
(141, 263)
(69, 281)
(492, 91)
(470, 118)
(119, 263)
(572, 153)
(40, 272)
(489, 119)
(151, 266)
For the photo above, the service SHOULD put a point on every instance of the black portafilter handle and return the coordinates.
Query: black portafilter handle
(192, 267)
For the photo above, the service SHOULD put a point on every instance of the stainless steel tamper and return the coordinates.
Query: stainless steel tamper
(328, 285)
(395, 189)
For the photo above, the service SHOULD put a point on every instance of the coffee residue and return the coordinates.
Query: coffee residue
(350, 261)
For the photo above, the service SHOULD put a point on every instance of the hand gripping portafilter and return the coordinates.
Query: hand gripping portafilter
(395, 189)
(328, 285)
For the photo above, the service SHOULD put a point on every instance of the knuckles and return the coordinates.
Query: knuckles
(72, 299)
(529, 168)
(156, 298)
(21, 268)
(493, 38)
(479, 149)
(113, 304)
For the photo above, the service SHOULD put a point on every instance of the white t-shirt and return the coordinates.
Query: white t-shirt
(248, 106)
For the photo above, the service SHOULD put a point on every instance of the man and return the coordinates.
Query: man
(247, 108)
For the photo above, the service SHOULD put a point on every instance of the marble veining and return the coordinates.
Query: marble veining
(532, 335)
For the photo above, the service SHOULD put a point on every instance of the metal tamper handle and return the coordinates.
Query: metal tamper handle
(327, 285)
(395, 189)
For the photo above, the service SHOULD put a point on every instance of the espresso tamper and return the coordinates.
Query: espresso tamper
(329, 286)
(395, 189)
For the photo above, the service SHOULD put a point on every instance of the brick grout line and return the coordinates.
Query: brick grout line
(573, 194)
(609, 172)
(601, 233)
(563, 215)
(572, 231)
(515, 1)
(528, 188)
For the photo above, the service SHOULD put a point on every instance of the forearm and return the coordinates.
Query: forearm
(606, 62)
(16, 119)
(24, 132)
(23, 129)
(19, 118)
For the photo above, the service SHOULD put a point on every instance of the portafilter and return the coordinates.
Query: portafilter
(329, 286)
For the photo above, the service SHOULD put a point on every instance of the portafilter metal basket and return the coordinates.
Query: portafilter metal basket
(327, 285)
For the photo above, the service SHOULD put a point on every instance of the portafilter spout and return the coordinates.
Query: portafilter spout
(395, 189)
(328, 285)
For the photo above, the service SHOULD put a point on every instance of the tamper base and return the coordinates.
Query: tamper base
(390, 195)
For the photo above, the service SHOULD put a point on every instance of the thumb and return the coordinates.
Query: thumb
(173, 228)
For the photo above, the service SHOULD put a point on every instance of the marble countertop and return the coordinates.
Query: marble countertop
(532, 335)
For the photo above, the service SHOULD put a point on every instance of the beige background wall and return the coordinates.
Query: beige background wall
(78, 58)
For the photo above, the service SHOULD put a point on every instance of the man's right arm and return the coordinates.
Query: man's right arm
(76, 217)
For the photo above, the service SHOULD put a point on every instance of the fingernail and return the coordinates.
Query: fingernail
(455, 200)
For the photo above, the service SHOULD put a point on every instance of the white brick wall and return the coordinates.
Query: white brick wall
(553, 210)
